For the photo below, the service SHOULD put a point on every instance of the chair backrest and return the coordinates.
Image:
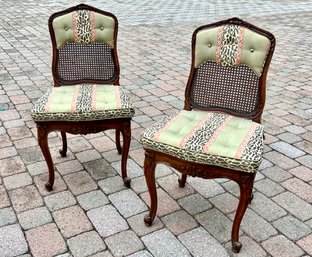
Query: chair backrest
(230, 60)
(84, 46)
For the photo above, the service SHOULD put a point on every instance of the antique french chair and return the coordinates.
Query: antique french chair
(218, 134)
(86, 97)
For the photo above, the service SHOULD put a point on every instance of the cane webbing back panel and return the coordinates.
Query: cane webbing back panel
(85, 62)
(234, 89)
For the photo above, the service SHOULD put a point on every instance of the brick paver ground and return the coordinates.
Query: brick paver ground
(90, 212)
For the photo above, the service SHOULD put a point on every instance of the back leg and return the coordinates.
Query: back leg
(117, 140)
(63, 151)
(182, 180)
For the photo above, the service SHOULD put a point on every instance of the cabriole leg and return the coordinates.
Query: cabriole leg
(43, 143)
(245, 185)
(63, 151)
(117, 141)
(149, 172)
(126, 135)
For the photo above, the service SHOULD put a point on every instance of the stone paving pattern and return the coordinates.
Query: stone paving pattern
(90, 212)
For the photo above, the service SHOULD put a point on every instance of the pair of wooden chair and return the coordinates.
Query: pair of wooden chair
(217, 135)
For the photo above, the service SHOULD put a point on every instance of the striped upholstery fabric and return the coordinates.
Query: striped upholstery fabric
(84, 27)
(209, 138)
(232, 45)
(83, 102)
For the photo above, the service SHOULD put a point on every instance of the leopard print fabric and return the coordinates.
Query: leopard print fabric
(253, 148)
(248, 162)
(99, 115)
(195, 142)
(39, 106)
(199, 157)
(84, 27)
(229, 45)
(84, 99)
(83, 107)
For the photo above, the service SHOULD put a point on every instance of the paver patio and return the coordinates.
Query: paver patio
(90, 212)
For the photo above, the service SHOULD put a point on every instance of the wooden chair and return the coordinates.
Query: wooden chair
(86, 97)
(218, 134)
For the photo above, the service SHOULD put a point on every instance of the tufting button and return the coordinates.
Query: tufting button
(209, 45)
(102, 28)
(251, 50)
(66, 28)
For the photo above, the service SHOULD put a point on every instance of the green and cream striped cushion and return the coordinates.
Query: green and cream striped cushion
(83, 102)
(208, 138)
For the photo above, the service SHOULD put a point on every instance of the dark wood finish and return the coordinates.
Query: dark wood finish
(56, 53)
(121, 125)
(256, 115)
(245, 180)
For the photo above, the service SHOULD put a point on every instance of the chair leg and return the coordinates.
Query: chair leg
(117, 140)
(149, 172)
(245, 185)
(63, 151)
(43, 143)
(182, 180)
(126, 135)
(251, 198)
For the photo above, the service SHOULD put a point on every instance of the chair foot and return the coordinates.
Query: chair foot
(182, 180)
(181, 183)
(127, 181)
(236, 246)
(49, 186)
(63, 153)
(148, 220)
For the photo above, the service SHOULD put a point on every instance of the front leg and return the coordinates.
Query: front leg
(245, 186)
(43, 132)
(126, 134)
(149, 172)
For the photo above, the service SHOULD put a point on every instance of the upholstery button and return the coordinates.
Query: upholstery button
(209, 45)
(251, 50)
(66, 28)
(102, 28)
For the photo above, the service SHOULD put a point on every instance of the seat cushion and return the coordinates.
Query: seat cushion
(82, 103)
(209, 138)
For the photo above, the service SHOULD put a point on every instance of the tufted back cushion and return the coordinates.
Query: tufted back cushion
(231, 45)
(83, 27)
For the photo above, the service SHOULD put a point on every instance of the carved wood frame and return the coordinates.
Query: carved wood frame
(121, 125)
(255, 116)
(245, 180)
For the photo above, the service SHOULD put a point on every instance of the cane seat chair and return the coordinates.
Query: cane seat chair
(86, 97)
(218, 134)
